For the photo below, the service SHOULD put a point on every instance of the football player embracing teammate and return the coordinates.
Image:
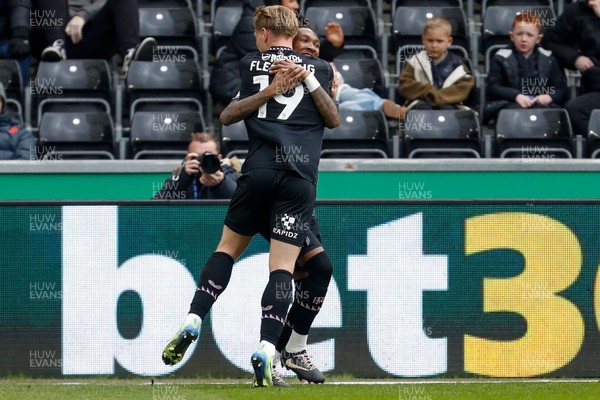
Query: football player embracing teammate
(285, 107)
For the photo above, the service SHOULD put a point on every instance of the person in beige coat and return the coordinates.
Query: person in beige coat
(436, 78)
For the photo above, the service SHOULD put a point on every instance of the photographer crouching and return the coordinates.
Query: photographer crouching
(204, 174)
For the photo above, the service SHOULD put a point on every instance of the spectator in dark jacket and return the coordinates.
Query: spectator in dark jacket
(94, 29)
(225, 77)
(575, 42)
(16, 142)
(14, 33)
(189, 182)
(524, 75)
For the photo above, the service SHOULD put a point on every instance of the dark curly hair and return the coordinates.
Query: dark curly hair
(304, 23)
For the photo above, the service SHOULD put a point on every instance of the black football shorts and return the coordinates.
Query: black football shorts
(280, 198)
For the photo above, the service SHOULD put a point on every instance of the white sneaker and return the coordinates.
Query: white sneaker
(56, 52)
(142, 52)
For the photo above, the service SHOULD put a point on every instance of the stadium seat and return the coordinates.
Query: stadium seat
(306, 4)
(356, 52)
(430, 3)
(593, 135)
(165, 4)
(362, 73)
(77, 77)
(11, 79)
(408, 22)
(441, 134)
(153, 86)
(14, 109)
(163, 135)
(174, 29)
(358, 23)
(234, 140)
(534, 134)
(77, 135)
(71, 85)
(489, 56)
(216, 4)
(361, 134)
(510, 3)
(225, 16)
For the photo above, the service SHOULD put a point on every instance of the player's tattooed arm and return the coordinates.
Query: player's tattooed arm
(284, 80)
(327, 107)
(237, 110)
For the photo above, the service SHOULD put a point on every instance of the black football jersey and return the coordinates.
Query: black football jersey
(287, 131)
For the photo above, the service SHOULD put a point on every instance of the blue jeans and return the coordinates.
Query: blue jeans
(24, 63)
(358, 99)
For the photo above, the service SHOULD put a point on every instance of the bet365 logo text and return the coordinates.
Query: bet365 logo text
(394, 275)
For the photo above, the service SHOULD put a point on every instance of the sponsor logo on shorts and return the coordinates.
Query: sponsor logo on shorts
(289, 225)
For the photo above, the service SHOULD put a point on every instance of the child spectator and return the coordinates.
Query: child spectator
(435, 78)
(524, 75)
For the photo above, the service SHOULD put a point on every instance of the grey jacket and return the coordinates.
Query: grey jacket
(86, 9)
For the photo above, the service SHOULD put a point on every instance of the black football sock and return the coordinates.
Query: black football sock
(310, 293)
(286, 332)
(275, 302)
(213, 281)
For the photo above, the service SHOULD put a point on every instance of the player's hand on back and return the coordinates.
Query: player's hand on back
(288, 75)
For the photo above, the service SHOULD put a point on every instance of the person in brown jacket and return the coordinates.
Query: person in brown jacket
(436, 78)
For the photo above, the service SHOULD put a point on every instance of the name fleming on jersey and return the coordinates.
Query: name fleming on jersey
(268, 59)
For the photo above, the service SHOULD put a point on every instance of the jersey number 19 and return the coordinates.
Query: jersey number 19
(290, 103)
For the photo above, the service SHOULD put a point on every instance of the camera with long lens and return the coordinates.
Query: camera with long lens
(209, 162)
